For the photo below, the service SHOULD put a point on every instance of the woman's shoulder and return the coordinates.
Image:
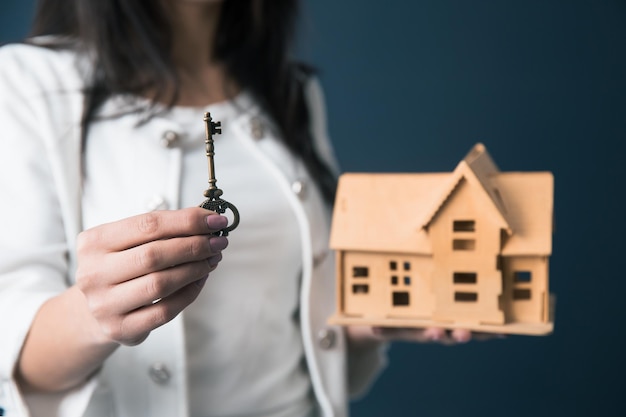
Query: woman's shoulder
(41, 64)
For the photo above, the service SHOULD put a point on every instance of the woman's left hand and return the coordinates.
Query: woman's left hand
(366, 335)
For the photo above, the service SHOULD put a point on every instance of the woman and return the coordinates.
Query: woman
(104, 246)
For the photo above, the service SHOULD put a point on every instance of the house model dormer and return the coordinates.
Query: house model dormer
(466, 249)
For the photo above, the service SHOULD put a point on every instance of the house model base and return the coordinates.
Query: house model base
(467, 249)
(529, 329)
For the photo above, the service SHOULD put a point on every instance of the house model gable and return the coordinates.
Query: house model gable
(466, 249)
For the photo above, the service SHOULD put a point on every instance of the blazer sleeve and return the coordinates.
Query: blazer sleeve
(34, 253)
(365, 364)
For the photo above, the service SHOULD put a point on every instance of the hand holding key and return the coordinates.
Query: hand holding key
(138, 273)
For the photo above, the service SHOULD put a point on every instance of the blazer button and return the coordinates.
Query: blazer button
(169, 139)
(326, 338)
(319, 258)
(256, 128)
(159, 373)
(299, 188)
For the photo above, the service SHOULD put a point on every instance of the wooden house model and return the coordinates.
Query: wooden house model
(466, 249)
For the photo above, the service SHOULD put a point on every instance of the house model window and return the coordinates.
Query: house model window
(401, 298)
(360, 272)
(463, 226)
(462, 249)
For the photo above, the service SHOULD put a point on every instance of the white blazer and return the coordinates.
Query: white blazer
(40, 217)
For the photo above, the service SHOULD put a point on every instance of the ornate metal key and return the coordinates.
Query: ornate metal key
(213, 194)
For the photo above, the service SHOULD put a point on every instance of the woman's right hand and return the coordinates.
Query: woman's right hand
(139, 273)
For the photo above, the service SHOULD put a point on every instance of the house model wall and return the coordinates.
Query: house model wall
(466, 249)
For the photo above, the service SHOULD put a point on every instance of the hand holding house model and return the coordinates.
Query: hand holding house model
(466, 249)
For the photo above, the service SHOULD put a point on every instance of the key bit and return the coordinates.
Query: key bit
(214, 202)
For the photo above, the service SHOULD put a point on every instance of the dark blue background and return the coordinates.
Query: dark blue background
(411, 86)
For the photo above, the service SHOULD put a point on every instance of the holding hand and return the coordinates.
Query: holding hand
(139, 273)
(366, 335)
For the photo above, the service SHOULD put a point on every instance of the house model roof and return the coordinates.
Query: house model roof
(406, 203)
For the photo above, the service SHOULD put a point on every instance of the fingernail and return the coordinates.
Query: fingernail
(216, 222)
(218, 243)
(461, 336)
(200, 283)
(214, 260)
(434, 336)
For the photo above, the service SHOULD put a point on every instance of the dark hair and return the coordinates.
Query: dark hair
(130, 42)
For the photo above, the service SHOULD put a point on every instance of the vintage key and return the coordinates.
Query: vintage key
(213, 194)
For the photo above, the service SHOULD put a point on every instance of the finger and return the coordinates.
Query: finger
(461, 335)
(132, 328)
(441, 336)
(427, 335)
(214, 260)
(435, 334)
(145, 290)
(402, 334)
(161, 254)
(137, 230)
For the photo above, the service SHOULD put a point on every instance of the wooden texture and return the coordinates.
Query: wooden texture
(466, 249)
